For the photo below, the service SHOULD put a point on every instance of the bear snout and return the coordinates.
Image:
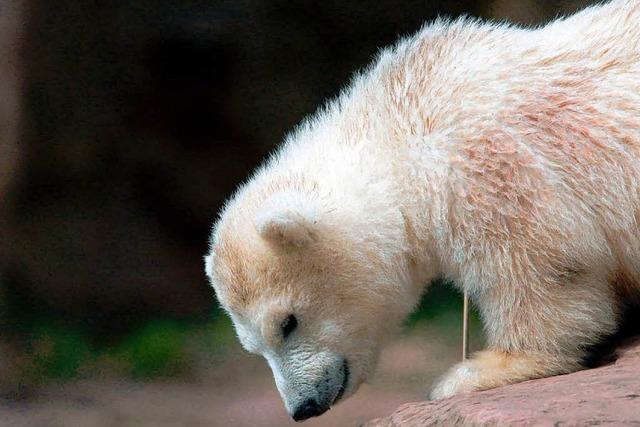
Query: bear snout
(308, 409)
(326, 393)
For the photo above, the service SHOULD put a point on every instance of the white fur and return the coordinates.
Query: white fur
(288, 218)
(505, 159)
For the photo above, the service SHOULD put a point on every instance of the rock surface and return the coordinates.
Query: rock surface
(609, 395)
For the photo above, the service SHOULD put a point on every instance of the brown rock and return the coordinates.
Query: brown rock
(609, 395)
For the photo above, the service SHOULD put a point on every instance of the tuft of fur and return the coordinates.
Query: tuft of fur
(505, 159)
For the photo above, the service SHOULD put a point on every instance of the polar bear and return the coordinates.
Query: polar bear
(504, 159)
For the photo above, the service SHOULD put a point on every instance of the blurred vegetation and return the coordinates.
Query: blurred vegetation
(55, 349)
(441, 310)
(159, 349)
(55, 353)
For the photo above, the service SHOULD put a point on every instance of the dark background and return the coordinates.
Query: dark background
(138, 120)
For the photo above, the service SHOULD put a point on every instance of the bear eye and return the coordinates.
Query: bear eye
(289, 325)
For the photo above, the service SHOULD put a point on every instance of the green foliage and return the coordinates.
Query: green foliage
(59, 351)
(441, 308)
(442, 298)
(56, 353)
(156, 350)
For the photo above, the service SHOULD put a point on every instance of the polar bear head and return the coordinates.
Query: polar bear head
(309, 287)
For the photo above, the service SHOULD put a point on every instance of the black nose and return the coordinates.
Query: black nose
(307, 410)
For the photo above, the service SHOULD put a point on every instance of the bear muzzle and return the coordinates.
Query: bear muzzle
(312, 408)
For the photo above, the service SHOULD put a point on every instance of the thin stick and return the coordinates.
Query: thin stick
(465, 326)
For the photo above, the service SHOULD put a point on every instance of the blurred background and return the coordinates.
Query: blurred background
(123, 128)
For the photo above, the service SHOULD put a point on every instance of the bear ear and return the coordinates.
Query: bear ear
(288, 219)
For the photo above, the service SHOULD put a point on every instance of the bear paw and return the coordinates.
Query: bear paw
(462, 378)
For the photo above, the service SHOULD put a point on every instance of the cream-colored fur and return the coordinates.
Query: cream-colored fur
(505, 159)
